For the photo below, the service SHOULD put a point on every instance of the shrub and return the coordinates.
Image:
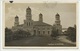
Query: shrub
(71, 34)
(8, 34)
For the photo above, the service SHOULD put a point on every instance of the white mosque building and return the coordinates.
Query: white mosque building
(37, 27)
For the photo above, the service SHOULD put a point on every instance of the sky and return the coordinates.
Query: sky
(67, 13)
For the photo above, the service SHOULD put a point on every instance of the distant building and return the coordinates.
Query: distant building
(36, 27)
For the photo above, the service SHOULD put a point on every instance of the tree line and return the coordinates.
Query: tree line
(70, 33)
(19, 34)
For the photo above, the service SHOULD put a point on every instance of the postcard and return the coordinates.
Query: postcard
(39, 24)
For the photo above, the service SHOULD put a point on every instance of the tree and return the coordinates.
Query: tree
(20, 34)
(71, 31)
(8, 34)
(8, 31)
(54, 33)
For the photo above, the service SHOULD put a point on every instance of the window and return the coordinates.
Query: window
(39, 32)
(48, 32)
(34, 32)
(29, 23)
(43, 32)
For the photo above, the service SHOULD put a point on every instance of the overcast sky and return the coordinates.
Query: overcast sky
(49, 10)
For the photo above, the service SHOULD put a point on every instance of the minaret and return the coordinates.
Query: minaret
(28, 14)
(40, 17)
(58, 25)
(57, 17)
(28, 22)
(16, 23)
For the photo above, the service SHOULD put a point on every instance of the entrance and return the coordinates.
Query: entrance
(34, 32)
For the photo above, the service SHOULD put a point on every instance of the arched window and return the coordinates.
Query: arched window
(43, 32)
(27, 23)
(39, 32)
(48, 32)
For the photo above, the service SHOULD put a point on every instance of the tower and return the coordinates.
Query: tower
(28, 14)
(16, 23)
(58, 25)
(28, 21)
(40, 17)
(57, 17)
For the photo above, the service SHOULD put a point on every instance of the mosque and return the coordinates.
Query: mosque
(37, 27)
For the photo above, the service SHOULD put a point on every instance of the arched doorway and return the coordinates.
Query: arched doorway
(34, 32)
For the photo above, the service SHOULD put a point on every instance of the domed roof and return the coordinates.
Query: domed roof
(40, 14)
(16, 16)
(28, 8)
(57, 14)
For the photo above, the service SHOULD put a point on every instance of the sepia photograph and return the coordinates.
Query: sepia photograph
(40, 25)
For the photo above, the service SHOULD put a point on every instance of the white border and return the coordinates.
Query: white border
(52, 47)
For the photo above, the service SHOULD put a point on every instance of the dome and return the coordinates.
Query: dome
(16, 16)
(28, 8)
(40, 14)
(57, 14)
